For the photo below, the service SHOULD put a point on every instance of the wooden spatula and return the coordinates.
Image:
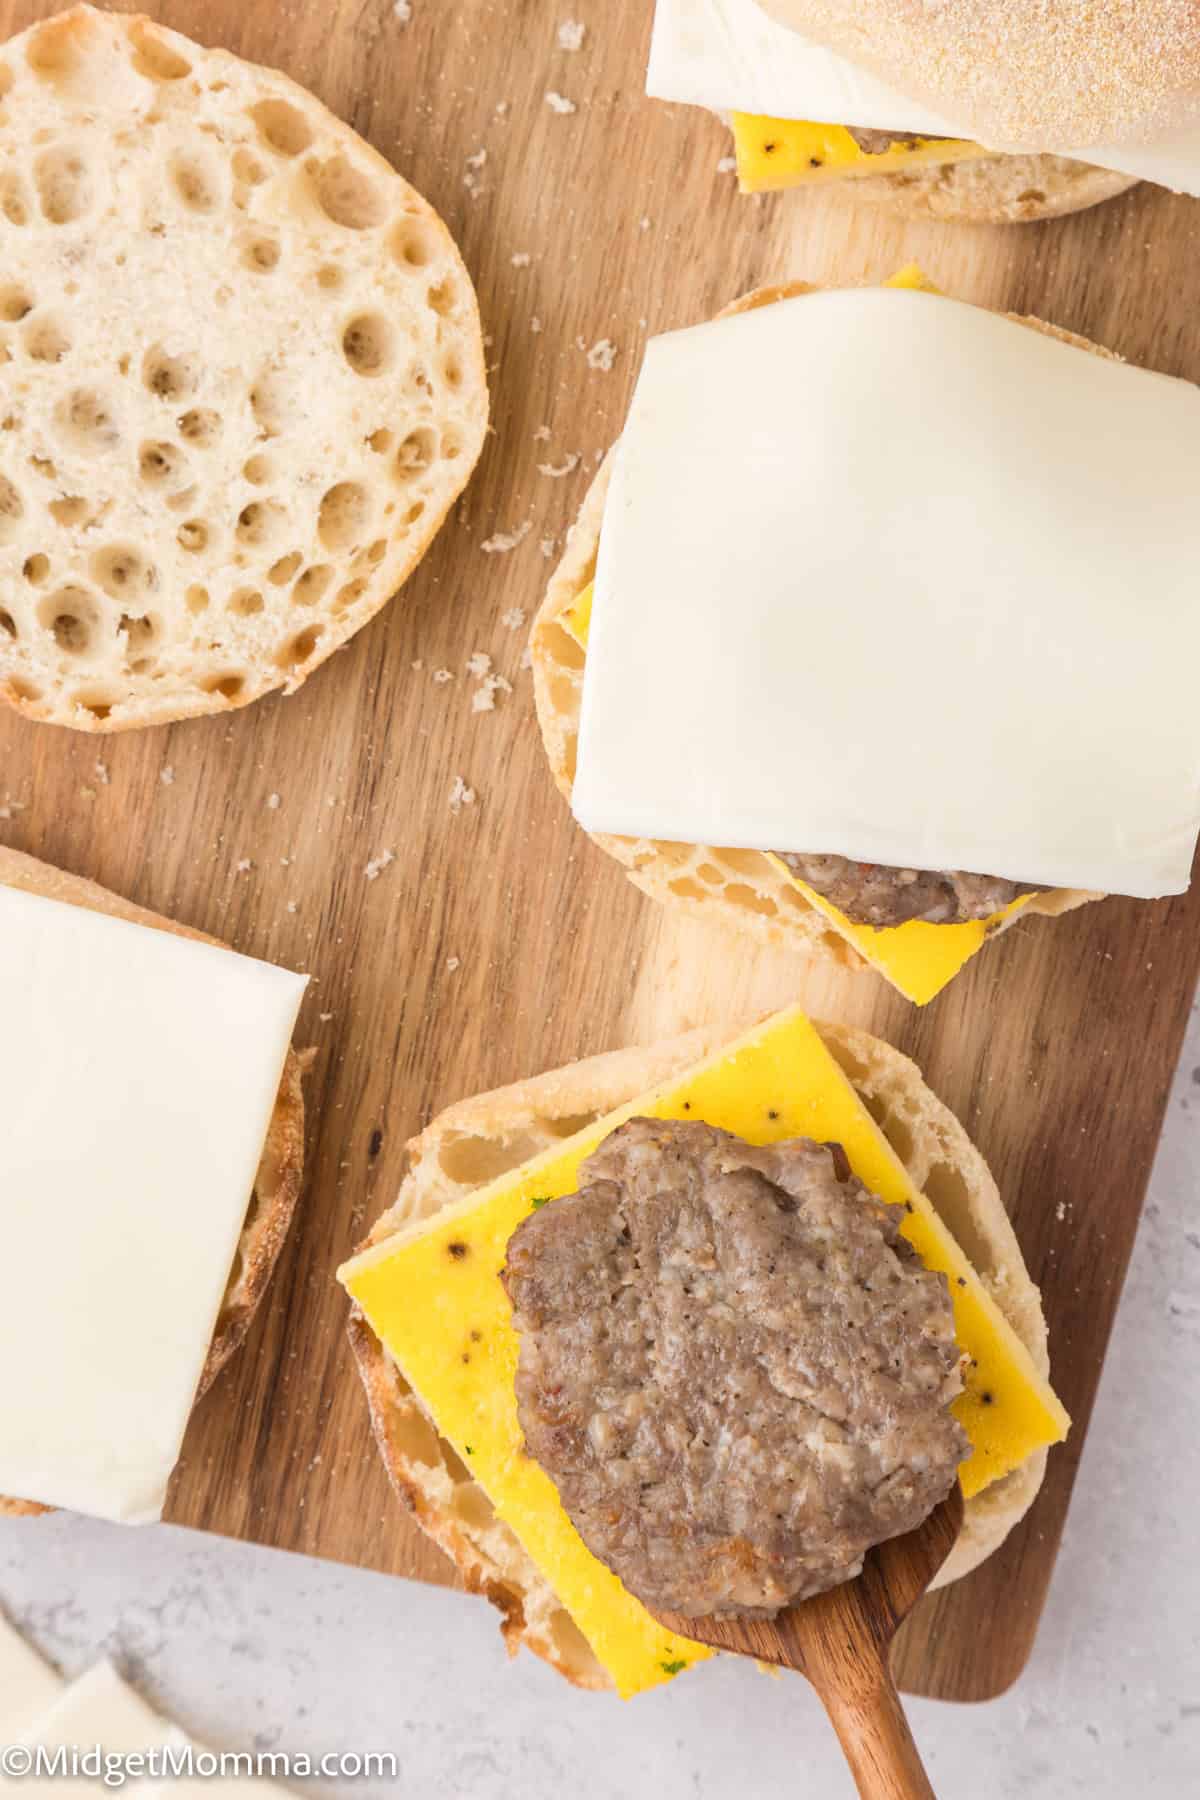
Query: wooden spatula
(842, 1641)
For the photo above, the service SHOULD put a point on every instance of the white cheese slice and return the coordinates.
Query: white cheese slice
(732, 56)
(27, 1684)
(1173, 162)
(139, 1070)
(97, 1712)
(891, 577)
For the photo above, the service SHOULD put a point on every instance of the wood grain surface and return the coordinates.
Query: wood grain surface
(500, 942)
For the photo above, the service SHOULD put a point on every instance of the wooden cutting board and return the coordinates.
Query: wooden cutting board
(500, 942)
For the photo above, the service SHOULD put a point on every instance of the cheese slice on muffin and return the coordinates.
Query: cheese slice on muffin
(434, 1334)
(818, 94)
(149, 1168)
(870, 714)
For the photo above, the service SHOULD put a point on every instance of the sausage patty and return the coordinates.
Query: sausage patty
(875, 894)
(735, 1371)
(875, 143)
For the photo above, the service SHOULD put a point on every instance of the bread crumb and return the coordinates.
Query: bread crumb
(402, 11)
(571, 34)
(535, 325)
(461, 795)
(520, 259)
(558, 103)
(548, 547)
(378, 864)
(167, 776)
(501, 542)
(101, 773)
(645, 222)
(418, 664)
(244, 867)
(472, 180)
(292, 906)
(490, 684)
(324, 1018)
(452, 963)
(556, 471)
(273, 802)
(542, 435)
(442, 676)
(513, 619)
(727, 165)
(501, 108)
(484, 697)
(602, 355)
(527, 657)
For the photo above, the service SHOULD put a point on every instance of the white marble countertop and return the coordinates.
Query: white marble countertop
(254, 1649)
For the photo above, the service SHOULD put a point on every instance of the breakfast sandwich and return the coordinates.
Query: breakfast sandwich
(995, 114)
(867, 641)
(243, 377)
(690, 1329)
(150, 1164)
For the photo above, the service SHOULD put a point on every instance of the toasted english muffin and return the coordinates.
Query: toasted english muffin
(475, 1141)
(280, 1169)
(1076, 72)
(991, 190)
(243, 377)
(745, 888)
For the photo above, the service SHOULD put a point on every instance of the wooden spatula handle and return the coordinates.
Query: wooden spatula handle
(842, 1639)
(865, 1711)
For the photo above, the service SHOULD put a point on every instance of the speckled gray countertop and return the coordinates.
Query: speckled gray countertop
(253, 1649)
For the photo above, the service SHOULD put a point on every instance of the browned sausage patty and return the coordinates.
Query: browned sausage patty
(874, 894)
(735, 1371)
(875, 143)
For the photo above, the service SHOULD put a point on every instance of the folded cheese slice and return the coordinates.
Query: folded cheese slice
(101, 1712)
(731, 56)
(98, 1711)
(433, 1297)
